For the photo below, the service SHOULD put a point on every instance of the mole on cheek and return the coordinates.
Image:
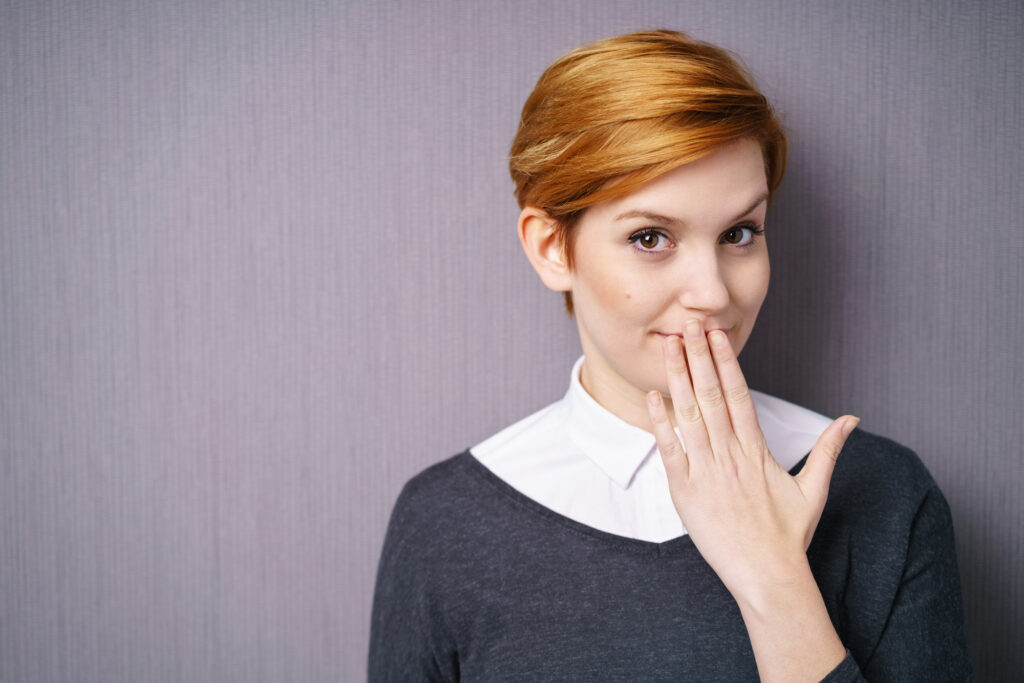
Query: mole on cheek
(628, 295)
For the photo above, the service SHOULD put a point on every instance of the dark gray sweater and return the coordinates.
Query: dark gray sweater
(477, 582)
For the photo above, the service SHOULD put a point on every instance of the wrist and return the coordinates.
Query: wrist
(775, 585)
(790, 630)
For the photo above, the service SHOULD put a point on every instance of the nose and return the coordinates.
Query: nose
(702, 286)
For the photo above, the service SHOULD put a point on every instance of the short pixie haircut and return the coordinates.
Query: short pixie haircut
(628, 109)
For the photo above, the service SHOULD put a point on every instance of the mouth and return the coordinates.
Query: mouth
(666, 335)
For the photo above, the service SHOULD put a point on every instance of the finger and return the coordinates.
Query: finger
(677, 465)
(684, 404)
(738, 401)
(707, 389)
(814, 478)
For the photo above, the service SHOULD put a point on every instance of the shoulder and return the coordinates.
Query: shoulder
(872, 467)
(454, 500)
(434, 491)
(422, 519)
(880, 492)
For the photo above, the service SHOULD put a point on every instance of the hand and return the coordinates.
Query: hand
(750, 520)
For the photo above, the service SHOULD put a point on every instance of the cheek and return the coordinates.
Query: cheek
(613, 298)
(750, 286)
(762, 287)
(609, 296)
(625, 296)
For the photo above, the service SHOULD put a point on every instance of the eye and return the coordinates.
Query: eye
(649, 240)
(741, 235)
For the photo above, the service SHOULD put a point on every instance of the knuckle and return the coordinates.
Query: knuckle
(737, 395)
(672, 449)
(696, 349)
(710, 397)
(689, 412)
(832, 450)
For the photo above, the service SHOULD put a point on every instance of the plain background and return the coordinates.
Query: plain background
(258, 266)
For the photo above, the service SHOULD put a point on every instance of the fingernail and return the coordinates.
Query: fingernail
(718, 339)
(850, 425)
(653, 398)
(673, 347)
(692, 329)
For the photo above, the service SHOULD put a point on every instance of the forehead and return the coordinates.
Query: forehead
(711, 189)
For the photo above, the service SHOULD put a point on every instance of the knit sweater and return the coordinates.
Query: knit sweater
(478, 582)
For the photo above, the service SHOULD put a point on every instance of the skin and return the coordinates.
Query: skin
(667, 284)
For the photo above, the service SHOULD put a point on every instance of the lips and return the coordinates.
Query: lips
(680, 334)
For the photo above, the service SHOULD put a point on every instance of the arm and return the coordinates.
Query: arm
(405, 633)
(924, 637)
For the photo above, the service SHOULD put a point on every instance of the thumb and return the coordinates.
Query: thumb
(814, 478)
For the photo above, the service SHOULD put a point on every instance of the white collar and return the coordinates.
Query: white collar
(615, 446)
(619, 449)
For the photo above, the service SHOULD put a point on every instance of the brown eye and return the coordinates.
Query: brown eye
(649, 241)
(741, 235)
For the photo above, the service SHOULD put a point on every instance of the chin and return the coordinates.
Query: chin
(653, 377)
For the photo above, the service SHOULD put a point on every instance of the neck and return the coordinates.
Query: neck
(616, 395)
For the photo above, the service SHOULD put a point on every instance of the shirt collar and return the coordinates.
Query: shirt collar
(615, 446)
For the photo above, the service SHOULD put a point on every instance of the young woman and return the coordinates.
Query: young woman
(662, 521)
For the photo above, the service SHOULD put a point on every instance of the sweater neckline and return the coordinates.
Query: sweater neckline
(672, 547)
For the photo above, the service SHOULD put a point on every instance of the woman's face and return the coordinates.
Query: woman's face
(687, 245)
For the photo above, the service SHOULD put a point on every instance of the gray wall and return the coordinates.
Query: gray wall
(258, 267)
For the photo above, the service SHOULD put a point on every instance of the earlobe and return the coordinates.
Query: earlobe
(542, 242)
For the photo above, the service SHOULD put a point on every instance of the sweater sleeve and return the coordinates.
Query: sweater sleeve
(924, 638)
(846, 672)
(885, 558)
(406, 628)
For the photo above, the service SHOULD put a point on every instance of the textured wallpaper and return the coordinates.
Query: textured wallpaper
(258, 266)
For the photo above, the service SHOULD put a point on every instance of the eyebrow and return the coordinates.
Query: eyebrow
(669, 220)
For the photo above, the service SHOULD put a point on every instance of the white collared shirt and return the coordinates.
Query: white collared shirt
(582, 461)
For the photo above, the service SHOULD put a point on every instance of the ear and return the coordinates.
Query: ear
(539, 236)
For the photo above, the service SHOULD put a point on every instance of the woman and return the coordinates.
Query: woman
(662, 521)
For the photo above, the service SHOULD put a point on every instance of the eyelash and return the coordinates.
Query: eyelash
(755, 231)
